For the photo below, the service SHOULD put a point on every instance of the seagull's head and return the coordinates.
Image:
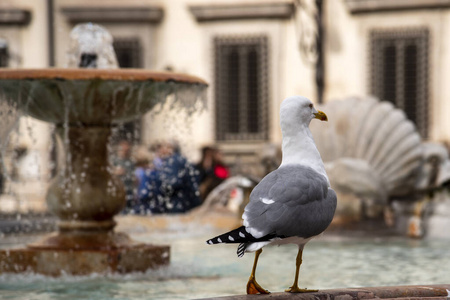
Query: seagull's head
(300, 109)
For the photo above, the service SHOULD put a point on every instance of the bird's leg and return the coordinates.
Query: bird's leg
(252, 286)
(294, 288)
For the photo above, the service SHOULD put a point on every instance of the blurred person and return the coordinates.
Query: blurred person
(171, 187)
(205, 165)
(123, 167)
(220, 169)
(143, 163)
(212, 170)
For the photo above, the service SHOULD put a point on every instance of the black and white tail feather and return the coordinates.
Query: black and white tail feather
(241, 236)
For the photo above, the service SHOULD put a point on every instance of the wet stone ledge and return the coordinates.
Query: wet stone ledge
(390, 292)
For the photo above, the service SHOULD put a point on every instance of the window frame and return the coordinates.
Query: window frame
(400, 39)
(130, 43)
(243, 43)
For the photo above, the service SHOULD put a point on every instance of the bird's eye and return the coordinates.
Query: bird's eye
(310, 105)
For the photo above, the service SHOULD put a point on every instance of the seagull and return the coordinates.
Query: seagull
(292, 204)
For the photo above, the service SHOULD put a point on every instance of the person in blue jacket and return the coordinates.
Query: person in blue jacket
(171, 186)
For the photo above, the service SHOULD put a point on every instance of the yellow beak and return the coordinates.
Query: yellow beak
(321, 116)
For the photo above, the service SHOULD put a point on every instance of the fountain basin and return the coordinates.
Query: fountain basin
(92, 96)
(84, 105)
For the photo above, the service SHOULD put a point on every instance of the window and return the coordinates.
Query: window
(128, 52)
(4, 55)
(400, 72)
(241, 88)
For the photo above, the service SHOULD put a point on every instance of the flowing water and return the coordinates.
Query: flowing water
(198, 270)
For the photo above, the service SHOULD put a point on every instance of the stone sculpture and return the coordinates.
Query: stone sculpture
(374, 155)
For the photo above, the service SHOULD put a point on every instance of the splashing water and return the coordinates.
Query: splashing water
(9, 115)
(96, 101)
(91, 47)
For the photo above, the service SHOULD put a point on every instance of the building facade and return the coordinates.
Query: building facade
(253, 53)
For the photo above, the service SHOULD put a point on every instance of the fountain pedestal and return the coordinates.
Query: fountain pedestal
(84, 105)
(85, 196)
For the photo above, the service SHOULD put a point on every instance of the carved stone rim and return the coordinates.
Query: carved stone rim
(101, 74)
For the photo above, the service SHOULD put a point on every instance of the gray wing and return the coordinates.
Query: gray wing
(290, 201)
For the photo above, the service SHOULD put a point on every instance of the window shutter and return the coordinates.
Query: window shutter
(399, 71)
(241, 88)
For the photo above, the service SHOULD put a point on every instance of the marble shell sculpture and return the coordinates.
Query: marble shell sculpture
(370, 148)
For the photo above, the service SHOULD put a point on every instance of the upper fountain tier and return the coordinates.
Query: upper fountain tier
(95, 97)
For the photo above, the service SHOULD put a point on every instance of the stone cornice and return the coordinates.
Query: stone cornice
(147, 14)
(220, 12)
(15, 17)
(372, 6)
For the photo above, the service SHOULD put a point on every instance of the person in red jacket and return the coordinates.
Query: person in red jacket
(212, 170)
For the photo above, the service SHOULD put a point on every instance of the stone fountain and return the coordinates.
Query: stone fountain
(84, 105)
